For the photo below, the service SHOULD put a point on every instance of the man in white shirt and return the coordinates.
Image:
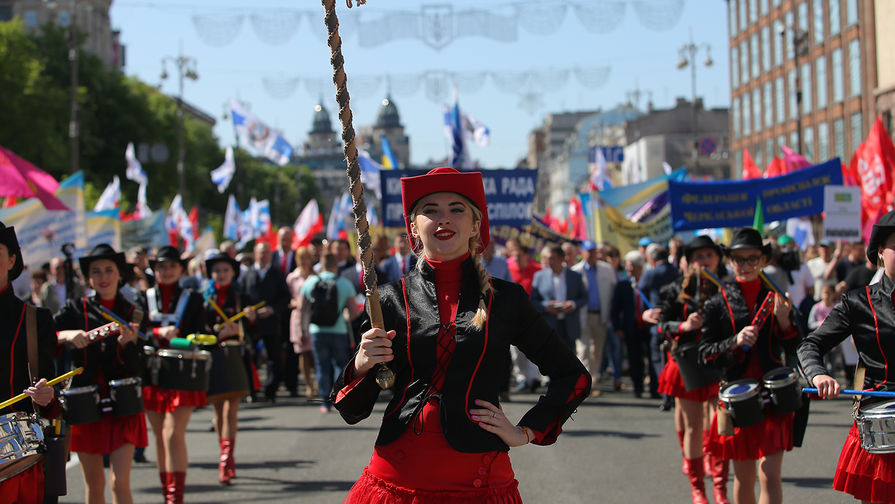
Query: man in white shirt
(820, 267)
(54, 293)
(599, 283)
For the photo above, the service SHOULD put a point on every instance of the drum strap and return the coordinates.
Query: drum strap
(156, 314)
(31, 344)
(239, 323)
(860, 369)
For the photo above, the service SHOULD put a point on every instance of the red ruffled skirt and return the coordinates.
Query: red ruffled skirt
(27, 486)
(672, 384)
(162, 400)
(424, 469)
(107, 435)
(767, 437)
(866, 476)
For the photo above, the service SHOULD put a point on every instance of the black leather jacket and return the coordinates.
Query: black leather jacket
(478, 366)
(718, 346)
(873, 329)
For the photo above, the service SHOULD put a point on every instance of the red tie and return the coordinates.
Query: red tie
(283, 263)
(404, 262)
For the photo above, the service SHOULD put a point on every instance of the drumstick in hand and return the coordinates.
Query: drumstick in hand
(9, 402)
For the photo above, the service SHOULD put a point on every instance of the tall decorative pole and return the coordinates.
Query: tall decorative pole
(385, 377)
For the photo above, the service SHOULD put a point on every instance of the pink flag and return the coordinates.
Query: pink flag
(794, 161)
(24, 180)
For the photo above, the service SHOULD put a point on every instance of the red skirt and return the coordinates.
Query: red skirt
(27, 486)
(107, 435)
(162, 400)
(767, 437)
(671, 384)
(866, 476)
(372, 490)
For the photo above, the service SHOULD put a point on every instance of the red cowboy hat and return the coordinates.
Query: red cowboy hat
(445, 179)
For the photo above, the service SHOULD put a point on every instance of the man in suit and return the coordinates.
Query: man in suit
(284, 256)
(599, 282)
(265, 282)
(403, 261)
(558, 293)
(284, 259)
(54, 293)
(627, 320)
(661, 274)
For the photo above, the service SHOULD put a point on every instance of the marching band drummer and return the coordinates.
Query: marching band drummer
(868, 315)
(223, 271)
(27, 486)
(173, 312)
(741, 350)
(444, 436)
(103, 361)
(681, 321)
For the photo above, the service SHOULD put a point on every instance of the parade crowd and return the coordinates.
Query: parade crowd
(675, 322)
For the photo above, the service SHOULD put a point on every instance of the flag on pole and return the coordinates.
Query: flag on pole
(308, 224)
(458, 148)
(667, 168)
(372, 216)
(222, 175)
(340, 211)
(143, 209)
(232, 219)
(750, 170)
(178, 222)
(369, 172)
(758, 221)
(600, 178)
(134, 169)
(389, 160)
(111, 196)
(793, 160)
(775, 168)
(258, 135)
(872, 167)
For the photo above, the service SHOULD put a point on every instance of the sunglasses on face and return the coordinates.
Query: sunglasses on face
(752, 260)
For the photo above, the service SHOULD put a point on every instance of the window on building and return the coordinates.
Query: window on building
(778, 43)
(743, 19)
(5, 12)
(756, 109)
(851, 12)
(738, 163)
(744, 62)
(808, 139)
(835, 18)
(769, 150)
(753, 56)
(776, 3)
(823, 141)
(747, 114)
(806, 88)
(794, 141)
(854, 67)
(735, 117)
(732, 13)
(791, 93)
(30, 18)
(768, 105)
(787, 34)
(819, 31)
(753, 11)
(836, 71)
(64, 18)
(766, 48)
(781, 141)
(839, 139)
(763, 6)
(734, 67)
(857, 130)
(757, 155)
(780, 100)
(820, 70)
(803, 16)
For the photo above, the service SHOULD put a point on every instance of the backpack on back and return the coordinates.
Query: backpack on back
(325, 303)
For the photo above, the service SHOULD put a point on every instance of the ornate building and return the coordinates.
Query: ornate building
(388, 123)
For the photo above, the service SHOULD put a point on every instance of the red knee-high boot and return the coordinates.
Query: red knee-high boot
(163, 477)
(720, 470)
(231, 467)
(224, 463)
(696, 474)
(176, 483)
(707, 460)
(680, 441)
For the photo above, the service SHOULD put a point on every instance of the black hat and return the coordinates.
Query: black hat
(104, 251)
(881, 232)
(701, 242)
(167, 253)
(8, 238)
(221, 257)
(749, 238)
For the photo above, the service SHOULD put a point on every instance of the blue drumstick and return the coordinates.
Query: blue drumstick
(868, 393)
(645, 301)
(110, 314)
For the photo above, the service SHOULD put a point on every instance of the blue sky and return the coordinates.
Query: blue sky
(638, 58)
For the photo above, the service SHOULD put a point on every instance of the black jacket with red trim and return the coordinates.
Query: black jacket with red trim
(871, 324)
(14, 349)
(193, 318)
(117, 361)
(477, 369)
(718, 347)
(675, 311)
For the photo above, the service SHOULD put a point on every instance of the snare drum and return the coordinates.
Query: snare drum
(81, 405)
(783, 385)
(150, 366)
(694, 376)
(21, 443)
(743, 400)
(183, 369)
(127, 396)
(876, 427)
(228, 378)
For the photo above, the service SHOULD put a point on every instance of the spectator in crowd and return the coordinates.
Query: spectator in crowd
(661, 274)
(801, 281)
(822, 267)
(848, 256)
(599, 283)
(558, 293)
(641, 247)
(342, 249)
(570, 254)
(284, 256)
(54, 293)
(299, 332)
(675, 251)
(284, 259)
(612, 351)
(860, 275)
(627, 321)
(495, 265)
(38, 279)
(139, 257)
(401, 262)
(229, 248)
(522, 268)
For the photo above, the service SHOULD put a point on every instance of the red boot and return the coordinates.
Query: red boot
(231, 467)
(680, 441)
(176, 483)
(707, 460)
(720, 470)
(697, 485)
(224, 464)
(163, 477)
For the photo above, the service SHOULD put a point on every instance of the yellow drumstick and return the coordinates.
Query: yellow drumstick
(9, 402)
(217, 308)
(234, 318)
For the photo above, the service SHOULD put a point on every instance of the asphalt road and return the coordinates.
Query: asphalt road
(618, 449)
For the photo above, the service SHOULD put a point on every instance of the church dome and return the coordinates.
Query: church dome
(388, 114)
(321, 122)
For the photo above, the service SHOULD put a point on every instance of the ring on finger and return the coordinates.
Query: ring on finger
(493, 414)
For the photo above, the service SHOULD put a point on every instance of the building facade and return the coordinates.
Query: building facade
(803, 74)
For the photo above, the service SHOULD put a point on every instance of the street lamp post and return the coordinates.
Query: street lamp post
(800, 49)
(186, 68)
(687, 56)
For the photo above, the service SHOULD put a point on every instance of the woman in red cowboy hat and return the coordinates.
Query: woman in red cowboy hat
(444, 436)
(28, 485)
(741, 350)
(680, 322)
(104, 361)
(868, 314)
(174, 312)
(228, 382)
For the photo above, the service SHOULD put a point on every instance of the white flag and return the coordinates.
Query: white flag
(232, 219)
(259, 136)
(308, 223)
(178, 220)
(222, 175)
(134, 168)
(143, 209)
(110, 197)
(369, 172)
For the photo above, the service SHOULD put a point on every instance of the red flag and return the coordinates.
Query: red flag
(776, 168)
(308, 224)
(548, 218)
(872, 166)
(794, 161)
(10, 202)
(750, 171)
(194, 220)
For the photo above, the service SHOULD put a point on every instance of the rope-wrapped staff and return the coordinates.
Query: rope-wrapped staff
(385, 377)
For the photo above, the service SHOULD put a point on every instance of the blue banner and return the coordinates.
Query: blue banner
(731, 203)
(509, 194)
